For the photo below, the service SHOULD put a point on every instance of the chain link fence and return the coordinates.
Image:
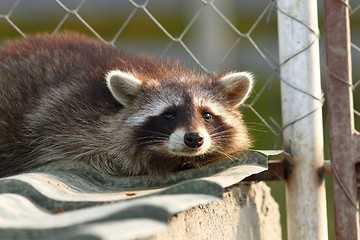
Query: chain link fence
(215, 36)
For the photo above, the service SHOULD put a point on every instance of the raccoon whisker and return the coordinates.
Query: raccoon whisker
(251, 126)
(220, 139)
(217, 128)
(228, 156)
(167, 129)
(151, 137)
(225, 137)
(150, 142)
(220, 136)
(228, 132)
(148, 138)
(155, 132)
(255, 123)
(220, 132)
(258, 130)
(225, 130)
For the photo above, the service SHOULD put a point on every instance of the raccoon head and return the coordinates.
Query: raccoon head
(182, 122)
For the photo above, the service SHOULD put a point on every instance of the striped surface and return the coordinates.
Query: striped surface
(79, 203)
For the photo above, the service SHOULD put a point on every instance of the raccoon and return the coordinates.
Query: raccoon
(68, 96)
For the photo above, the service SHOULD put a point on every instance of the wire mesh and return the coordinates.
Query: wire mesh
(214, 35)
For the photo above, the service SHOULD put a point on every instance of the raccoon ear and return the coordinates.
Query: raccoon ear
(237, 87)
(123, 86)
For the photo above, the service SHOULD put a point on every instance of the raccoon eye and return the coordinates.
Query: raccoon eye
(168, 116)
(207, 116)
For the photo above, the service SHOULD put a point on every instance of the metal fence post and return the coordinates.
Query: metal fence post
(302, 118)
(344, 140)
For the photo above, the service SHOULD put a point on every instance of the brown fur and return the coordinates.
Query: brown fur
(55, 104)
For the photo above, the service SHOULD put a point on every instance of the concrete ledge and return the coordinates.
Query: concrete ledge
(247, 211)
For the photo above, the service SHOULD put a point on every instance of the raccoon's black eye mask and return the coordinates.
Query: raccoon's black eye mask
(168, 116)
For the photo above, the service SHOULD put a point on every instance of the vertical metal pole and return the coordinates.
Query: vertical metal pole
(302, 118)
(344, 140)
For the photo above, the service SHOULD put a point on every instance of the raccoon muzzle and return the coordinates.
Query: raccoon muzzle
(193, 139)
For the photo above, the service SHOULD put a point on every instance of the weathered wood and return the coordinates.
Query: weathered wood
(344, 141)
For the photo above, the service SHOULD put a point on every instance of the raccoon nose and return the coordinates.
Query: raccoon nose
(193, 139)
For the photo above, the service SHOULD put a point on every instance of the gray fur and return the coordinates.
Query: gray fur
(68, 97)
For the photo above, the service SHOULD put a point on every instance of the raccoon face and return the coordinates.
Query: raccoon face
(184, 119)
(180, 130)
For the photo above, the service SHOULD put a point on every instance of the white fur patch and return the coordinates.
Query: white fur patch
(239, 84)
(231, 79)
(122, 85)
(155, 108)
(177, 146)
(176, 143)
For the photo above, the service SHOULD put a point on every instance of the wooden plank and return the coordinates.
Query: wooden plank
(343, 149)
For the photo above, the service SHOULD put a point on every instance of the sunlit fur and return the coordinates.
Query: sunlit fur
(72, 98)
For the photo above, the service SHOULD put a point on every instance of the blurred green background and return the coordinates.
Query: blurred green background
(193, 30)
